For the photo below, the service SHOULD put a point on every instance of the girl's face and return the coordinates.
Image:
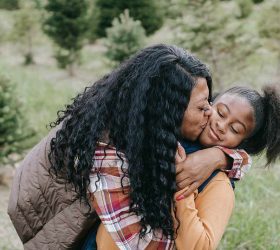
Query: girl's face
(198, 111)
(231, 122)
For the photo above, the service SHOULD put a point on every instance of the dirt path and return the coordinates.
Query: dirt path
(9, 239)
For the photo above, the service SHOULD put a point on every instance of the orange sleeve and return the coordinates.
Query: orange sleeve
(104, 240)
(203, 219)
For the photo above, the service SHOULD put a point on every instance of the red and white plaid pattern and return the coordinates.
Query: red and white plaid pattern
(111, 202)
(111, 198)
(242, 162)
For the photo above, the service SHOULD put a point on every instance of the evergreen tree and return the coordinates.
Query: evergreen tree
(174, 8)
(124, 38)
(245, 7)
(269, 28)
(258, 1)
(9, 4)
(25, 29)
(13, 127)
(213, 33)
(67, 26)
(148, 12)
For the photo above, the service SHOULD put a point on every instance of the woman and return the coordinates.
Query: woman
(139, 109)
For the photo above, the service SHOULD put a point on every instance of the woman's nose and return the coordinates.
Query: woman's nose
(208, 111)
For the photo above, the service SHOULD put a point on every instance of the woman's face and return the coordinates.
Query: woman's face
(197, 112)
(232, 121)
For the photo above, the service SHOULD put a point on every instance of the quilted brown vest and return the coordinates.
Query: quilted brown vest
(44, 215)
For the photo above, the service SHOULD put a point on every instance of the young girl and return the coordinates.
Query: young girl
(241, 118)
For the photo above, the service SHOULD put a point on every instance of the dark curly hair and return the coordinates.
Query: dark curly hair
(140, 107)
(266, 110)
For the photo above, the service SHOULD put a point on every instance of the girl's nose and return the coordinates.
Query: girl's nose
(221, 126)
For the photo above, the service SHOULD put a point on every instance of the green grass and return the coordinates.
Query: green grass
(255, 222)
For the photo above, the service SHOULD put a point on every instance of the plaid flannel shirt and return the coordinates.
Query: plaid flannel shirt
(110, 189)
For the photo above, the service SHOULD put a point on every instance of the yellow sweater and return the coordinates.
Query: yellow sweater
(203, 217)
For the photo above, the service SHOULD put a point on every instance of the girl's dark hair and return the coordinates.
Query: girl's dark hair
(266, 109)
(140, 106)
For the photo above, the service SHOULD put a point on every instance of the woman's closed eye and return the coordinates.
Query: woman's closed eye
(204, 108)
(201, 108)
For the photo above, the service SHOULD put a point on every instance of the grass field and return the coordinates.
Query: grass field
(255, 222)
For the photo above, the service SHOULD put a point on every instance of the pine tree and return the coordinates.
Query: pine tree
(148, 12)
(269, 28)
(124, 38)
(213, 33)
(245, 7)
(9, 4)
(258, 1)
(67, 26)
(25, 29)
(13, 127)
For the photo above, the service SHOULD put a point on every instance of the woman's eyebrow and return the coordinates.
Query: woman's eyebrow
(202, 99)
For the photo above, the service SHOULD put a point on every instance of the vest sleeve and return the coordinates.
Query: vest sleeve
(203, 219)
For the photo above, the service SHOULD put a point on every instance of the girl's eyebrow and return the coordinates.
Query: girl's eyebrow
(237, 119)
(226, 107)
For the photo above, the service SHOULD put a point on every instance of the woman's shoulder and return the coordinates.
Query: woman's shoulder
(219, 186)
(220, 180)
(221, 176)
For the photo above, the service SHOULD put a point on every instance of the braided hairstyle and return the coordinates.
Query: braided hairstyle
(140, 107)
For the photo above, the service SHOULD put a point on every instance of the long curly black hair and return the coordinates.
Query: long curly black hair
(140, 106)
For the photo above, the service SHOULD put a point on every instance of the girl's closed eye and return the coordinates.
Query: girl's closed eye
(220, 113)
(234, 130)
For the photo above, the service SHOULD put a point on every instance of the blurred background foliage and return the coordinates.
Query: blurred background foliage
(51, 49)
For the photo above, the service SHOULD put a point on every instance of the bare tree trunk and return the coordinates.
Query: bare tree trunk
(29, 55)
(72, 57)
(71, 70)
(278, 65)
(214, 62)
